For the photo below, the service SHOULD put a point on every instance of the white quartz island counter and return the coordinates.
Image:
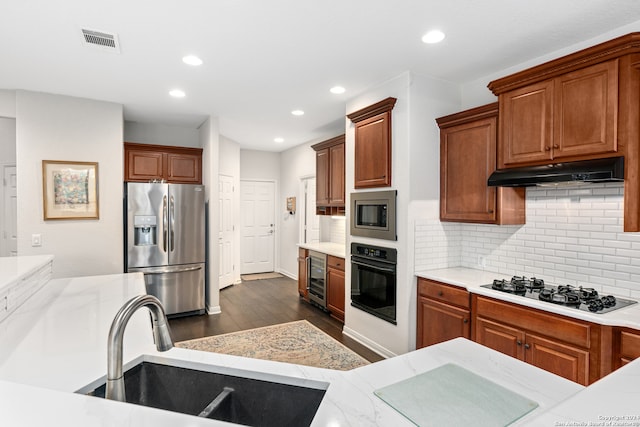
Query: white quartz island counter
(55, 344)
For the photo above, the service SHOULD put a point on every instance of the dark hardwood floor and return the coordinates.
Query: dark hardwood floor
(256, 303)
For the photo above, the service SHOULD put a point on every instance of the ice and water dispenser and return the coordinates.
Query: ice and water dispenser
(145, 230)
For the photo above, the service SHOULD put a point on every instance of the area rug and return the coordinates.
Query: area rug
(296, 342)
(259, 276)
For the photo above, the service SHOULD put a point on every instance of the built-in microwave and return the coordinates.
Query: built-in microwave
(373, 214)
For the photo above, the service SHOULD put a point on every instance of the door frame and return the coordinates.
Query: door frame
(276, 221)
(301, 208)
(3, 167)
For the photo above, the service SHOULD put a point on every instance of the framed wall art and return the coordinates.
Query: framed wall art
(70, 190)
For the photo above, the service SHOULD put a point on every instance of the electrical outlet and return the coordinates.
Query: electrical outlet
(482, 262)
(36, 240)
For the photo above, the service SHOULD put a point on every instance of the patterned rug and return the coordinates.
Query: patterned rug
(295, 342)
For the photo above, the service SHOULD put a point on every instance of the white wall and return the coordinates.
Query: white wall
(296, 163)
(415, 172)
(229, 163)
(7, 140)
(209, 140)
(153, 133)
(259, 165)
(7, 103)
(53, 127)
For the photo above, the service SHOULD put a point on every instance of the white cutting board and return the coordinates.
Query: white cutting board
(453, 396)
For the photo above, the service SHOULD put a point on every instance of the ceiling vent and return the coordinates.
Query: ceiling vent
(101, 40)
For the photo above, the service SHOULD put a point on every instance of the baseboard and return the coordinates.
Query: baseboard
(288, 274)
(213, 310)
(371, 345)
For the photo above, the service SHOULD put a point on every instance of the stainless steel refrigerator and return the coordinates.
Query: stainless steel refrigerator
(165, 240)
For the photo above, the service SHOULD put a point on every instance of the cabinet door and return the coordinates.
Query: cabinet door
(144, 165)
(322, 177)
(302, 273)
(561, 359)
(335, 293)
(438, 322)
(586, 111)
(500, 337)
(184, 168)
(526, 124)
(467, 158)
(373, 152)
(629, 347)
(336, 175)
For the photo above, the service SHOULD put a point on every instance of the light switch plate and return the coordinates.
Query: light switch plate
(36, 240)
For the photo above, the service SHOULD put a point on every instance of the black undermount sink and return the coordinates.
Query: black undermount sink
(225, 396)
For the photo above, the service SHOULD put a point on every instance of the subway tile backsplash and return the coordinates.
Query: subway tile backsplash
(573, 235)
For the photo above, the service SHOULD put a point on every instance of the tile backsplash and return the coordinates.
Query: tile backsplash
(573, 235)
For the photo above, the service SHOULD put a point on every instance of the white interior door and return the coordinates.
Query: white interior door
(311, 219)
(258, 226)
(8, 222)
(227, 226)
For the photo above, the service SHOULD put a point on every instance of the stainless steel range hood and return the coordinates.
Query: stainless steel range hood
(600, 170)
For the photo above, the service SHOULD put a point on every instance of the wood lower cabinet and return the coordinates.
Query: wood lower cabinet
(330, 175)
(443, 313)
(372, 152)
(567, 347)
(302, 273)
(335, 287)
(627, 346)
(467, 159)
(145, 162)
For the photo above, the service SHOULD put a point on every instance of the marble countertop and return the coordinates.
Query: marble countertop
(55, 344)
(14, 268)
(472, 280)
(334, 249)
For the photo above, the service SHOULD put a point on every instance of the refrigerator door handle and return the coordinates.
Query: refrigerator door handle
(165, 270)
(164, 223)
(173, 223)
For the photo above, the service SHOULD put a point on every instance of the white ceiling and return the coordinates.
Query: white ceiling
(265, 58)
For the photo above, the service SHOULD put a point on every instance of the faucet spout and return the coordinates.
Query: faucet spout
(161, 334)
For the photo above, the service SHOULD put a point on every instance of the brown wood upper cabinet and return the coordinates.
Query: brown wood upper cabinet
(372, 154)
(330, 194)
(569, 117)
(467, 158)
(145, 162)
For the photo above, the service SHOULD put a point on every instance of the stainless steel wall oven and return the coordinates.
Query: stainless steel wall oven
(373, 280)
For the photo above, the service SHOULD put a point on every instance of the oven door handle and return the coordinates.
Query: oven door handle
(376, 267)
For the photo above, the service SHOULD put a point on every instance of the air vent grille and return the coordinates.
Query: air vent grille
(101, 40)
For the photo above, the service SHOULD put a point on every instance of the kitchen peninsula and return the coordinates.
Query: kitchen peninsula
(55, 344)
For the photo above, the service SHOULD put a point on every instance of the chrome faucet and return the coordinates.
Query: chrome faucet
(161, 335)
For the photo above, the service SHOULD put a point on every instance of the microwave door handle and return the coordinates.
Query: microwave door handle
(364, 264)
(164, 223)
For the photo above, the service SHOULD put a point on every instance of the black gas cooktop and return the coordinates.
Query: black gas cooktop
(578, 297)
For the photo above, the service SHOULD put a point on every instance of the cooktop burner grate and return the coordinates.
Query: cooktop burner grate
(586, 299)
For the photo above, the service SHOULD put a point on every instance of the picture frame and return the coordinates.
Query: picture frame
(70, 190)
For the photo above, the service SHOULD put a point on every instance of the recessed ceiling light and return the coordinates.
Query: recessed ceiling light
(192, 60)
(297, 112)
(337, 90)
(177, 93)
(278, 140)
(433, 36)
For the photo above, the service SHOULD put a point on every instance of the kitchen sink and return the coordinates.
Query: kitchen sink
(225, 394)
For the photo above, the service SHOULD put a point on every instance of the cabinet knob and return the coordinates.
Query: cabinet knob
(440, 293)
(527, 346)
(547, 148)
(519, 343)
(556, 146)
(490, 211)
(465, 321)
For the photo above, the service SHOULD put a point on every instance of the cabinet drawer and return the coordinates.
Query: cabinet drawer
(335, 262)
(552, 325)
(446, 293)
(629, 345)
